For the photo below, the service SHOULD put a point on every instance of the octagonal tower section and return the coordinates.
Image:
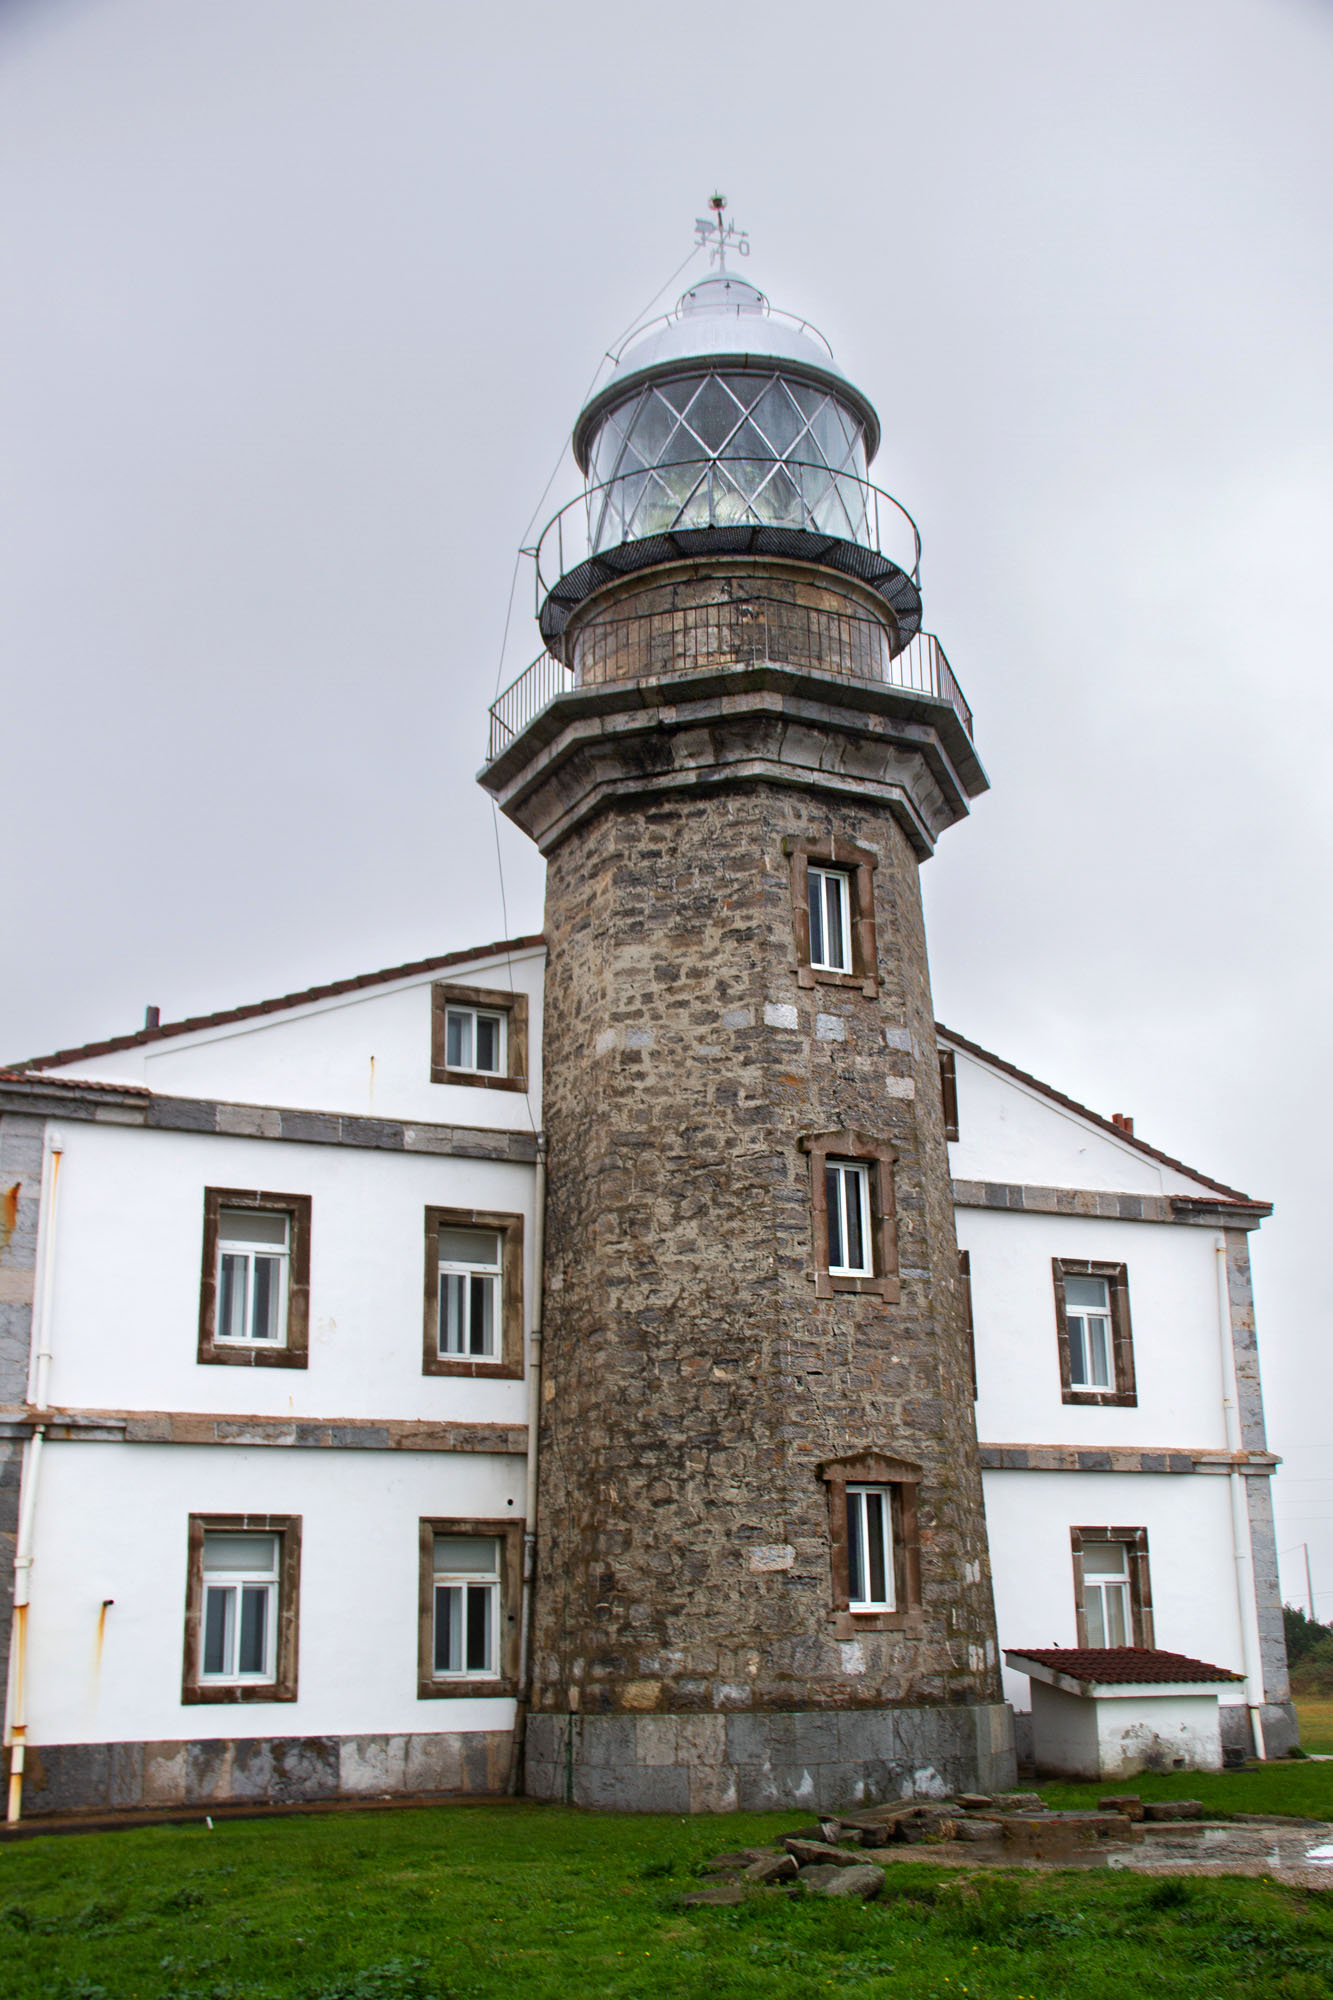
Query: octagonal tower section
(761, 1566)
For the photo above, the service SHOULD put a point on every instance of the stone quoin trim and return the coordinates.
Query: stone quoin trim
(1135, 1541)
(858, 864)
(902, 1477)
(509, 1533)
(880, 1159)
(293, 1350)
(508, 1363)
(1124, 1395)
(514, 1008)
(283, 1686)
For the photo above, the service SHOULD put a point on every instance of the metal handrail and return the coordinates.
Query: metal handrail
(613, 354)
(742, 632)
(559, 549)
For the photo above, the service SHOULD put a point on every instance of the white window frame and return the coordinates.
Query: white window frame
(864, 1504)
(248, 1250)
(470, 1275)
(1099, 1585)
(236, 1583)
(848, 1175)
(1081, 1342)
(818, 877)
(446, 1580)
(457, 1010)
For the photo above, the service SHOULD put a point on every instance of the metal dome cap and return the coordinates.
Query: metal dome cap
(727, 321)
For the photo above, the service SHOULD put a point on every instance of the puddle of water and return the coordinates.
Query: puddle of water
(1324, 1853)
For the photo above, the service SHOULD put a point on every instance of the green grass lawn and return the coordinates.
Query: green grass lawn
(1316, 1723)
(545, 1901)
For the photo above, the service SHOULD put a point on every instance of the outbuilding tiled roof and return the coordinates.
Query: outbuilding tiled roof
(1103, 1666)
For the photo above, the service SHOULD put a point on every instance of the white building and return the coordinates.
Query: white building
(251, 1461)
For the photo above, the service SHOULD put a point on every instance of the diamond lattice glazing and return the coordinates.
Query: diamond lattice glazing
(719, 449)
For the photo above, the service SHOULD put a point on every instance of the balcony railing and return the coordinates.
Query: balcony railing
(743, 632)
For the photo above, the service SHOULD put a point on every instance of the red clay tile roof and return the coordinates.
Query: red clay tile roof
(196, 1022)
(1095, 1118)
(1112, 1665)
(29, 1077)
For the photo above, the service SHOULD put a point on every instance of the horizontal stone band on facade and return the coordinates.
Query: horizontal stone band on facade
(1121, 1458)
(204, 1427)
(131, 1106)
(1211, 1212)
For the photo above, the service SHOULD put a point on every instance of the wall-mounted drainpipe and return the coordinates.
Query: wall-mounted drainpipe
(530, 1495)
(1240, 1510)
(16, 1719)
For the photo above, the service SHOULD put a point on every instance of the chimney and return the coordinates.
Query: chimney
(152, 1017)
(1126, 1124)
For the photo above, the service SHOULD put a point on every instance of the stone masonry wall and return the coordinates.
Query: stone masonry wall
(693, 1381)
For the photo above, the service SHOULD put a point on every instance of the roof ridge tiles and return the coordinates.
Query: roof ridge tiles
(1094, 1117)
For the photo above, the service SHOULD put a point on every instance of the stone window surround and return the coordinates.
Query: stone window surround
(902, 1477)
(508, 1364)
(873, 1153)
(508, 1531)
(965, 1290)
(949, 1091)
(859, 864)
(294, 1349)
(284, 1683)
(1140, 1585)
(514, 1006)
(1125, 1393)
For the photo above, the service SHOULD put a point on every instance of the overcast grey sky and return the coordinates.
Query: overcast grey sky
(300, 303)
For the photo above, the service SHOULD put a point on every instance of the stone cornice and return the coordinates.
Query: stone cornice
(79, 1426)
(1211, 1212)
(1123, 1458)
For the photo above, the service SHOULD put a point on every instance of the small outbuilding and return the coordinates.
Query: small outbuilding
(1109, 1711)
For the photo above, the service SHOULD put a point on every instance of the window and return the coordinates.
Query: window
(854, 1222)
(1088, 1318)
(874, 1543)
(949, 1092)
(241, 1608)
(467, 1606)
(869, 1549)
(471, 1587)
(473, 1293)
(833, 913)
(830, 919)
(479, 1037)
(254, 1298)
(469, 1303)
(847, 1193)
(474, 1039)
(254, 1251)
(1095, 1339)
(1112, 1595)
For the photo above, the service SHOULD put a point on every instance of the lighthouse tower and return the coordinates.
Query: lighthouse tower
(761, 1562)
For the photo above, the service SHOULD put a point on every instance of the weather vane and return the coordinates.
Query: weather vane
(720, 236)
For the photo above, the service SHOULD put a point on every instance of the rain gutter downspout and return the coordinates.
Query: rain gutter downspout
(1240, 1510)
(16, 1721)
(530, 1499)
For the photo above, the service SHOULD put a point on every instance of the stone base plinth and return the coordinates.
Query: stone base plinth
(811, 1758)
(261, 1770)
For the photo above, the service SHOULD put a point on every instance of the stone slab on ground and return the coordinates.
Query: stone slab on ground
(860, 1883)
(813, 1853)
(1157, 1810)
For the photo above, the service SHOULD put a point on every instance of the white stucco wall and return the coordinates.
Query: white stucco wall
(318, 1057)
(1191, 1559)
(112, 1521)
(1173, 1309)
(1116, 1736)
(1010, 1132)
(129, 1248)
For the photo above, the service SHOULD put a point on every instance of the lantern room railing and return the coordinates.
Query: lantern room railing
(703, 493)
(745, 632)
